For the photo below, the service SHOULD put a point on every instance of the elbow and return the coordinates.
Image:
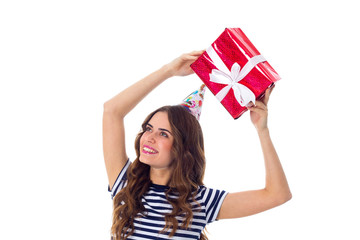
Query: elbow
(284, 197)
(280, 197)
(108, 107)
(287, 197)
(110, 110)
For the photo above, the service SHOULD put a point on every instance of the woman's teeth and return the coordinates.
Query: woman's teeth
(148, 150)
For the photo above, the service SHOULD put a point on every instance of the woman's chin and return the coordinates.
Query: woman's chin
(144, 159)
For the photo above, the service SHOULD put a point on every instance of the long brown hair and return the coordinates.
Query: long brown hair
(188, 173)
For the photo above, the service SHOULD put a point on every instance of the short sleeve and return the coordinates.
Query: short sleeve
(120, 181)
(212, 200)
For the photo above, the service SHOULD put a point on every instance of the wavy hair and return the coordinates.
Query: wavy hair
(188, 173)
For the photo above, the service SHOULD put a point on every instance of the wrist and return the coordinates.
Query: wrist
(167, 71)
(263, 131)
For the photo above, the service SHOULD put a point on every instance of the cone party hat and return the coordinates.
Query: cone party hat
(193, 102)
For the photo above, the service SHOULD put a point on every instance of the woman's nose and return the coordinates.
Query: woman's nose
(151, 138)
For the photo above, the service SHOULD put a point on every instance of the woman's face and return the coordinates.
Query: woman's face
(156, 142)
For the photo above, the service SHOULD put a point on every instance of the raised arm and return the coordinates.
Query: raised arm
(120, 105)
(276, 191)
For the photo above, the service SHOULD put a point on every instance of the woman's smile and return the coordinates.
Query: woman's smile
(149, 150)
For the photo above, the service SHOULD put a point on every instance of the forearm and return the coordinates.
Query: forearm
(276, 182)
(126, 100)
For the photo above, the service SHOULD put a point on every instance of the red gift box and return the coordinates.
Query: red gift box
(234, 71)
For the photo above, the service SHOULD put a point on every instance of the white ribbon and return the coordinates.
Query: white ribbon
(222, 75)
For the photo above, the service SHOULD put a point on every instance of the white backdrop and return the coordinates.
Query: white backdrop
(61, 60)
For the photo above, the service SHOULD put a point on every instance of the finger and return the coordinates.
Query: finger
(260, 104)
(267, 96)
(191, 57)
(272, 88)
(270, 91)
(256, 109)
(197, 53)
(188, 58)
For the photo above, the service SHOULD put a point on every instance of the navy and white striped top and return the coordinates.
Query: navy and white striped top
(153, 221)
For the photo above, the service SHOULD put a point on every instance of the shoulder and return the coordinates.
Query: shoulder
(206, 194)
(121, 180)
(211, 200)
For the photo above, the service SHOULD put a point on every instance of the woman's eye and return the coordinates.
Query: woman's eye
(163, 134)
(147, 129)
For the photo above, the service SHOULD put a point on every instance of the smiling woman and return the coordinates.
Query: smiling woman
(161, 194)
(170, 162)
(155, 144)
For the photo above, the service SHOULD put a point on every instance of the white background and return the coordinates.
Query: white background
(61, 60)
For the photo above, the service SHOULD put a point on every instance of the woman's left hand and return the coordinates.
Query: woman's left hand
(259, 112)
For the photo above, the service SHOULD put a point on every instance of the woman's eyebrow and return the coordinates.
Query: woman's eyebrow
(161, 129)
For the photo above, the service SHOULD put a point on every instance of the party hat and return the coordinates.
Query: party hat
(193, 102)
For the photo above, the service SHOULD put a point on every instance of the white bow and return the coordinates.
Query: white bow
(223, 76)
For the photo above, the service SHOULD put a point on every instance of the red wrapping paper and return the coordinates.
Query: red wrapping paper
(232, 46)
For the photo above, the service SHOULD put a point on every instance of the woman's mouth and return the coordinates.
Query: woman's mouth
(148, 150)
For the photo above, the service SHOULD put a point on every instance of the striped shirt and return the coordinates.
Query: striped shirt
(149, 225)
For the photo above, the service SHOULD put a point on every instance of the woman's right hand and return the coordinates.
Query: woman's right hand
(181, 65)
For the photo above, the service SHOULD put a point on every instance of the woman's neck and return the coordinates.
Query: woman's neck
(160, 176)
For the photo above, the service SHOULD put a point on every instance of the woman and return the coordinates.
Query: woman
(161, 194)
